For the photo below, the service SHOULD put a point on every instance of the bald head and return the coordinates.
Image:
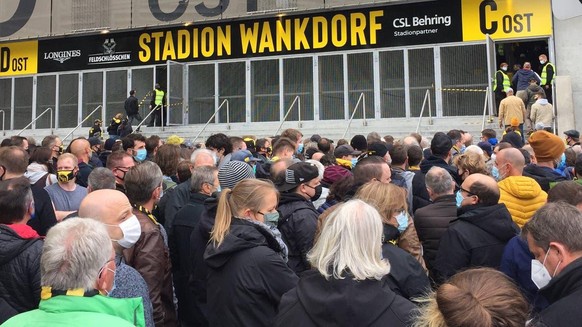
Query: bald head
(514, 158)
(110, 207)
(81, 149)
(317, 156)
(483, 187)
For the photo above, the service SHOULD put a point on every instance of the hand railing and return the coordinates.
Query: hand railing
(34, 120)
(81, 123)
(361, 99)
(225, 102)
(485, 107)
(3, 120)
(424, 103)
(146, 117)
(297, 101)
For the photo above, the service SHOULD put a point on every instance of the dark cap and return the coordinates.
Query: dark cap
(94, 141)
(109, 144)
(486, 147)
(572, 133)
(244, 156)
(345, 150)
(359, 142)
(378, 149)
(440, 144)
(315, 138)
(296, 174)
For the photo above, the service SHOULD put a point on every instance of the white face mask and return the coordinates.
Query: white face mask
(540, 274)
(504, 68)
(542, 62)
(131, 232)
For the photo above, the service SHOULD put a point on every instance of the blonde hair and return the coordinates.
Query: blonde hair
(350, 243)
(388, 199)
(482, 297)
(246, 194)
(471, 162)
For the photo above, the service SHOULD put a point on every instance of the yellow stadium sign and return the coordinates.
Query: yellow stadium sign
(503, 19)
(19, 58)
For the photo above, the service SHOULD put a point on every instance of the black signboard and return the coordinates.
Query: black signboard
(347, 29)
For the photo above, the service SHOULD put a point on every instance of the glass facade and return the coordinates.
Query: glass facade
(392, 82)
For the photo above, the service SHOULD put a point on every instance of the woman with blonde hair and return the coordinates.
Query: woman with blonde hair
(470, 163)
(247, 270)
(399, 238)
(482, 297)
(348, 283)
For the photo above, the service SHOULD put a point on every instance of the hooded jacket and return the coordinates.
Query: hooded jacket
(297, 224)
(475, 239)
(20, 271)
(521, 78)
(522, 196)
(543, 175)
(246, 277)
(564, 292)
(343, 302)
(542, 112)
(433, 160)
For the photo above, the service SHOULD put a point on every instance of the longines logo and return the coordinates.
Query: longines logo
(62, 56)
(109, 55)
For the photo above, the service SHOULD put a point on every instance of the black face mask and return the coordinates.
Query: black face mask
(318, 189)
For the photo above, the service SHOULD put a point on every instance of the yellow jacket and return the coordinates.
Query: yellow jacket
(522, 196)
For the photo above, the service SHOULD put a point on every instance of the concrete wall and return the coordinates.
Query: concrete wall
(568, 47)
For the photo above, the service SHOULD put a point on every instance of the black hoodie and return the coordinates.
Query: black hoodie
(20, 271)
(433, 161)
(343, 302)
(477, 238)
(543, 175)
(246, 277)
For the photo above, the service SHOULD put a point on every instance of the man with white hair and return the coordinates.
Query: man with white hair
(77, 270)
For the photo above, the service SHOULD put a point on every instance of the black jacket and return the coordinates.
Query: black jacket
(131, 106)
(477, 238)
(343, 302)
(184, 223)
(432, 161)
(20, 271)
(431, 223)
(298, 224)
(420, 197)
(407, 277)
(543, 175)
(44, 212)
(564, 292)
(246, 277)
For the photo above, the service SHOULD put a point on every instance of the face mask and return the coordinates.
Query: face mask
(219, 189)
(495, 173)
(318, 189)
(459, 199)
(131, 230)
(542, 62)
(539, 274)
(161, 191)
(269, 150)
(300, 148)
(402, 219)
(504, 68)
(354, 162)
(65, 175)
(141, 155)
(271, 218)
(493, 156)
(463, 147)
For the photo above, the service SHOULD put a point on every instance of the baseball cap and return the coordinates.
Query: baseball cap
(378, 149)
(174, 140)
(345, 150)
(244, 156)
(296, 174)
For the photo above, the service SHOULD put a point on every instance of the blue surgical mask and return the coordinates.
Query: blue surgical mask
(463, 148)
(459, 199)
(300, 148)
(354, 162)
(219, 189)
(495, 173)
(141, 155)
(402, 219)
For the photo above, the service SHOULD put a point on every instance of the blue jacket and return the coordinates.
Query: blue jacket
(521, 78)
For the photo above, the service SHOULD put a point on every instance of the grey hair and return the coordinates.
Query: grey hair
(201, 175)
(207, 152)
(556, 222)
(73, 254)
(319, 165)
(101, 179)
(350, 243)
(141, 181)
(439, 181)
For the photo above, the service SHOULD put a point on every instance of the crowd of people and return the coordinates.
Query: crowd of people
(427, 230)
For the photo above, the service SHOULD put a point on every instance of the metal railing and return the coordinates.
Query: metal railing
(213, 115)
(146, 117)
(361, 99)
(34, 120)
(3, 120)
(297, 101)
(81, 123)
(485, 107)
(424, 103)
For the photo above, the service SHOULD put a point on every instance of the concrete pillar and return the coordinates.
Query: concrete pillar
(564, 104)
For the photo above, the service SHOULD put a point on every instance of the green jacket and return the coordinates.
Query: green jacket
(98, 310)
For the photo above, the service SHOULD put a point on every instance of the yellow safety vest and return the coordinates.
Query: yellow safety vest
(506, 81)
(159, 97)
(544, 76)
